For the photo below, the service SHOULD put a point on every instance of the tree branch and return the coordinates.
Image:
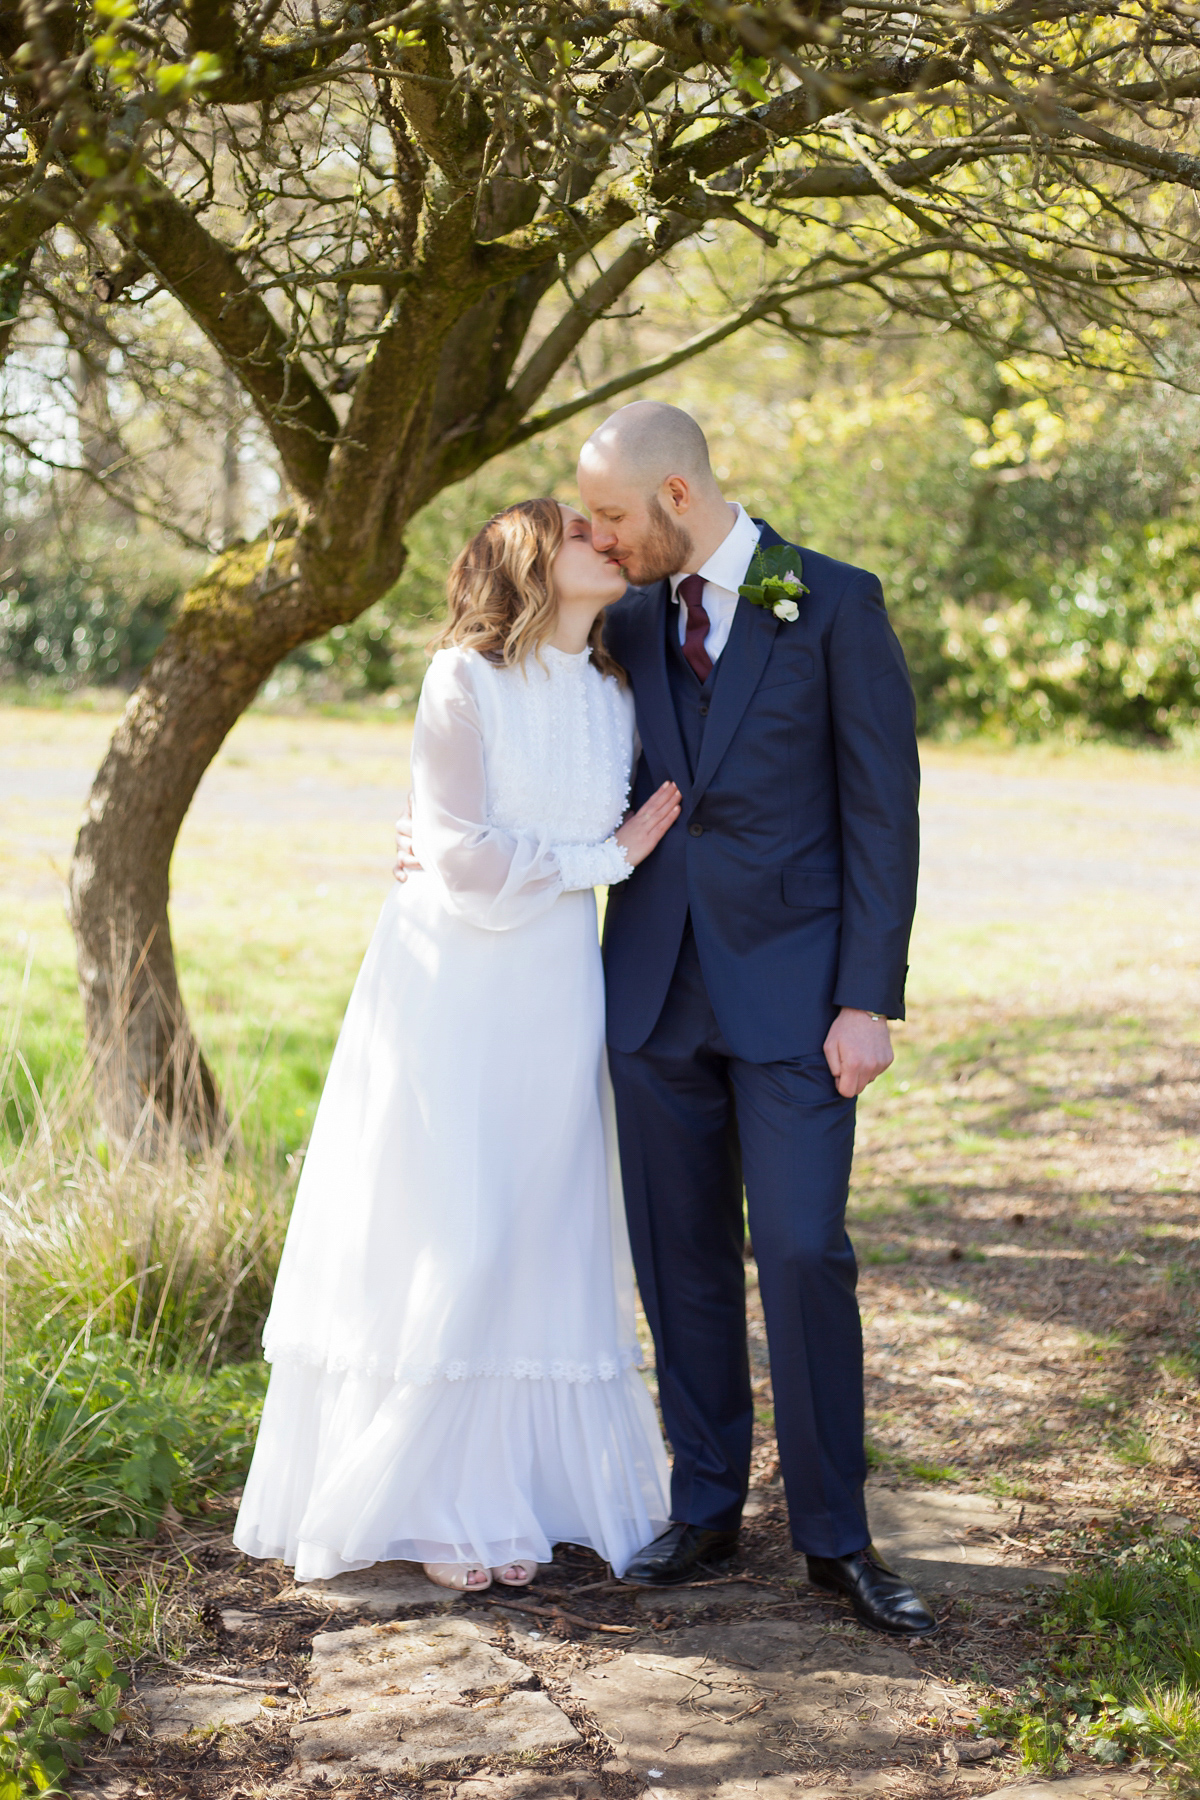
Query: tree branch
(204, 275)
(773, 300)
(12, 287)
(29, 216)
(547, 359)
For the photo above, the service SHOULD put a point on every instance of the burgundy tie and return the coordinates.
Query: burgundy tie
(692, 590)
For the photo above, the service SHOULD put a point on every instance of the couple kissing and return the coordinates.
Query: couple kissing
(667, 699)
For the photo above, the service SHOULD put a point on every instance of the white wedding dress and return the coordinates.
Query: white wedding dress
(454, 1360)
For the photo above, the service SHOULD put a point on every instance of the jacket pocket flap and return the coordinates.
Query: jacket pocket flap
(812, 887)
(788, 671)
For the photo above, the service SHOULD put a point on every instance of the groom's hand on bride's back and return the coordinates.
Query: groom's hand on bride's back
(406, 863)
(857, 1049)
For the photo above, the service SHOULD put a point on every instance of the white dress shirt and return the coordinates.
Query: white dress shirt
(723, 574)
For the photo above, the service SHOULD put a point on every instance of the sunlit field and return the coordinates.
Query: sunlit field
(1053, 882)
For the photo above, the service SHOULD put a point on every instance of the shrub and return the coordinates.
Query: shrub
(57, 1674)
(78, 622)
(103, 1444)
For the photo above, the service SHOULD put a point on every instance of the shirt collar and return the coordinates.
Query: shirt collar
(726, 567)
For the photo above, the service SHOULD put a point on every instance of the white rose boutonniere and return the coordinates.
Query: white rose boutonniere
(775, 579)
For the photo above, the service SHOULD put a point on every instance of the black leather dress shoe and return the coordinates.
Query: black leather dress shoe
(879, 1596)
(682, 1553)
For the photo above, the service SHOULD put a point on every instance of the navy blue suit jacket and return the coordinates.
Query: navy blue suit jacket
(796, 851)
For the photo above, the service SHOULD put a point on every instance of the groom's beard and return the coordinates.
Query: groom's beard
(666, 549)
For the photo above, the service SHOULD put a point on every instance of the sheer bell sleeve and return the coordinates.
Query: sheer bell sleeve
(490, 877)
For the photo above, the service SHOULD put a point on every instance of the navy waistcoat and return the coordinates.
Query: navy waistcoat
(691, 697)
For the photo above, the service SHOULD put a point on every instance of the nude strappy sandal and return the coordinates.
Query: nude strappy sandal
(458, 1576)
(505, 1575)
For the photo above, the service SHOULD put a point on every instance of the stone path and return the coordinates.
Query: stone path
(416, 1693)
(749, 1685)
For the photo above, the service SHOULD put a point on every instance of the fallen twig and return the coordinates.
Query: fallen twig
(728, 1581)
(557, 1612)
(746, 1712)
(238, 1681)
(335, 1712)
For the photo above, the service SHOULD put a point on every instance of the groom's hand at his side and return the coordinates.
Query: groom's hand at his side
(857, 1049)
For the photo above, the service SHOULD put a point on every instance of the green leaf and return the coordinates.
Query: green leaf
(775, 573)
(748, 73)
(90, 162)
(184, 79)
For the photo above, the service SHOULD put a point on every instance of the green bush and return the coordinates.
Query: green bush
(85, 623)
(94, 1439)
(1112, 651)
(57, 1671)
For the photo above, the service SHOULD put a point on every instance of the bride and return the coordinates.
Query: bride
(454, 1362)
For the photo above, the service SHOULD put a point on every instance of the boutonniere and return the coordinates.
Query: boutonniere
(775, 579)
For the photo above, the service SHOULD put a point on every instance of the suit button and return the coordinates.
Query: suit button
(704, 712)
(696, 830)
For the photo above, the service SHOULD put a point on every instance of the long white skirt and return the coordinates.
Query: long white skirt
(455, 1364)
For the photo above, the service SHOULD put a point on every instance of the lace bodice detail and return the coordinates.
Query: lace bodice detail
(520, 777)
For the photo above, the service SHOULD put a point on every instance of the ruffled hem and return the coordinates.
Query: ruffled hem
(352, 1469)
(518, 1368)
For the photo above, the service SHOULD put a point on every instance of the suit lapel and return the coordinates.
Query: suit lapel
(742, 662)
(646, 657)
(744, 658)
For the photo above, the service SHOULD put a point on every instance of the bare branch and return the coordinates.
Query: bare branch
(205, 277)
(773, 301)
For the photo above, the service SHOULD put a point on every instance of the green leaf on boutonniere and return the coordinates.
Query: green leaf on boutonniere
(775, 579)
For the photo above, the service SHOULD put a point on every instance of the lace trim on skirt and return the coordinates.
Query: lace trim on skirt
(522, 1368)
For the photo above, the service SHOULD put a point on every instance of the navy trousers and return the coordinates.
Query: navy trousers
(695, 1123)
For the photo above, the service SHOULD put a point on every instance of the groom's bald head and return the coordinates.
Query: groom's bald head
(645, 478)
(648, 442)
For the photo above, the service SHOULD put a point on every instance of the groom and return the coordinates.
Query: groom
(752, 963)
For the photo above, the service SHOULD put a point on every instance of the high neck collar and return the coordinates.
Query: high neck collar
(566, 659)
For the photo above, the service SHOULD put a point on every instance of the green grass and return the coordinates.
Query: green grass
(890, 1462)
(927, 1471)
(1121, 1665)
(1009, 1487)
(176, 1255)
(100, 1442)
(923, 1196)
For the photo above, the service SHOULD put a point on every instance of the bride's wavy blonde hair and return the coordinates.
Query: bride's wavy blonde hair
(502, 600)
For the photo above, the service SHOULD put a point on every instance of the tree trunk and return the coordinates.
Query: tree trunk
(250, 609)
